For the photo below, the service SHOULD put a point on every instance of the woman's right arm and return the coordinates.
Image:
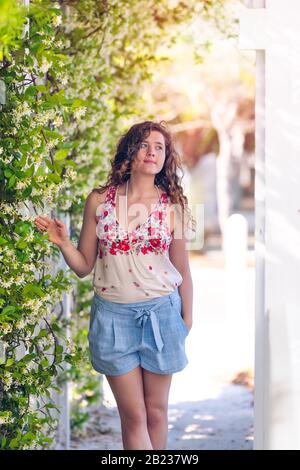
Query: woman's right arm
(81, 259)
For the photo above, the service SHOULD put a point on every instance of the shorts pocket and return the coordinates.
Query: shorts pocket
(101, 327)
(92, 316)
(178, 308)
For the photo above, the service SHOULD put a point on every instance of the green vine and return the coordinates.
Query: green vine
(73, 73)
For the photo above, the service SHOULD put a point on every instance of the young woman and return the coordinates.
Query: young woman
(133, 233)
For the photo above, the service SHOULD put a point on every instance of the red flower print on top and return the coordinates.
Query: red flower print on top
(153, 236)
(155, 243)
(151, 231)
(124, 245)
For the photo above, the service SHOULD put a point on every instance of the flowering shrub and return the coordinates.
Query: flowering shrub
(71, 74)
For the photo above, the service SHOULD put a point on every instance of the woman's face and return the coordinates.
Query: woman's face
(151, 154)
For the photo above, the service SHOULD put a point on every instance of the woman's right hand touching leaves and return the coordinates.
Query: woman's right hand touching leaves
(57, 230)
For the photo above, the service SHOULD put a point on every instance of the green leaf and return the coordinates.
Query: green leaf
(48, 439)
(54, 178)
(25, 147)
(49, 164)
(23, 160)
(28, 357)
(42, 88)
(10, 362)
(52, 134)
(55, 327)
(11, 181)
(30, 171)
(14, 443)
(77, 103)
(9, 309)
(70, 163)
(29, 436)
(27, 191)
(40, 171)
(21, 244)
(51, 406)
(42, 333)
(57, 98)
(33, 289)
(61, 154)
(45, 362)
(8, 173)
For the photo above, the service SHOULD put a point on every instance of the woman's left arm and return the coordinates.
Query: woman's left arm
(180, 259)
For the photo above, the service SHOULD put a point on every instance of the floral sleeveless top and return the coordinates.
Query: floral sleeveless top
(133, 266)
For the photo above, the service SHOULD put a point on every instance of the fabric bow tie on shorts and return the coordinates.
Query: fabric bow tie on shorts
(142, 316)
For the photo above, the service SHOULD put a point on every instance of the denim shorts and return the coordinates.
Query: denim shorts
(150, 334)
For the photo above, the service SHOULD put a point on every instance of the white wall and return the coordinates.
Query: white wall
(277, 399)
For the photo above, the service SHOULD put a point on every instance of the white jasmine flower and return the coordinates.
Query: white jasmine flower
(6, 284)
(21, 185)
(58, 121)
(47, 42)
(6, 328)
(29, 237)
(64, 80)
(71, 173)
(20, 324)
(45, 65)
(79, 112)
(56, 21)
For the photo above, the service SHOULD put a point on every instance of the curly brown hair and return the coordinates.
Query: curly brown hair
(168, 178)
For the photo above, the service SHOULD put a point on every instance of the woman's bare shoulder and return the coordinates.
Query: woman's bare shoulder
(95, 199)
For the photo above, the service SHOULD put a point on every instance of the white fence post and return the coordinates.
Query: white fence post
(62, 400)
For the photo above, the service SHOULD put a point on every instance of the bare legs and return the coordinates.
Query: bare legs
(142, 400)
(156, 394)
(129, 395)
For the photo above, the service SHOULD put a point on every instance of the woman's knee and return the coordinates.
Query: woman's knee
(156, 413)
(134, 416)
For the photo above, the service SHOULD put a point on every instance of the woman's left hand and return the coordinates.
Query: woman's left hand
(188, 323)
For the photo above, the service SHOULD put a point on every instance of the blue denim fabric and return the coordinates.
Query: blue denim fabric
(150, 333)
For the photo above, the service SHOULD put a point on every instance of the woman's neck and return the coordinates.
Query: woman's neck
(141, 187)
